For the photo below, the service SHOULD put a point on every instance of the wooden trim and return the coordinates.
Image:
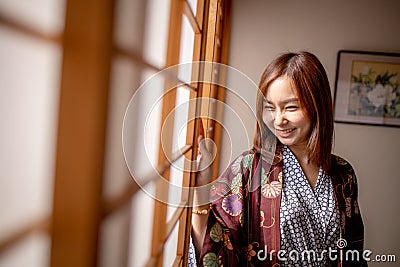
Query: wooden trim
(42, 225)
(209, 57)
(200, 13)
(168, 104)
(175, 218)
(178, 261)
(151, 262)
(81, 133)
(205, 48)
(211, 31)
(111, 206)
(28, 30)
(182, 151)
(215, 78)
(187, 11)
(189, 178)
(136, 57)
(198, 37)
(197, 48)
(220, 94)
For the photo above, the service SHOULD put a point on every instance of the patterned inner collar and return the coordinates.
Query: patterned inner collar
(309, 219)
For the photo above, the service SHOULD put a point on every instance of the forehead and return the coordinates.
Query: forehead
(281, 90)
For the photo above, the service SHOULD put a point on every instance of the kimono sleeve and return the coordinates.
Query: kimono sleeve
(352, 223)
(217, 247)
(225, 239)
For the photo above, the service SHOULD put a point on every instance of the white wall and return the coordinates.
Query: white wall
(263, 29)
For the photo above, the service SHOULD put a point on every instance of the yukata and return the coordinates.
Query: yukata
(309, 218)
(247, 225)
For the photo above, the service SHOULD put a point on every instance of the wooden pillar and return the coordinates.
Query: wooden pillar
(85, 72)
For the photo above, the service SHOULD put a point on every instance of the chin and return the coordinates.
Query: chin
(288, 142)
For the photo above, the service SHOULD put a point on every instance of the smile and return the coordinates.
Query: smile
(286, 131)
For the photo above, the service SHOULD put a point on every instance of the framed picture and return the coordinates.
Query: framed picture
(367, 88)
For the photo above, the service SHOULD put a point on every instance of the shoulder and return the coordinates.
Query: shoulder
(234, 176)
(341, 164)
(250, 152)
(244, 160)
(343, 175)
(238, 164)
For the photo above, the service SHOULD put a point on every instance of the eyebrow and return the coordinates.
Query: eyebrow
(295, 99)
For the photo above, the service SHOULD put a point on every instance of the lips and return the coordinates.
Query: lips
(286, 130)
(285, 133)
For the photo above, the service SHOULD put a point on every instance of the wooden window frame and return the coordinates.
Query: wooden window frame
(207, 47)
(74, 232)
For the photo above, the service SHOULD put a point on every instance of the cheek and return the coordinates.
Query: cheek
(268, 119)
(304, 122)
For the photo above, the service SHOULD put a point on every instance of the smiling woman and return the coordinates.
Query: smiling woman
(289, 194)
(307, 81)
(284, 115)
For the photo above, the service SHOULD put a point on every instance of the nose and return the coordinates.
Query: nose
(280, 118)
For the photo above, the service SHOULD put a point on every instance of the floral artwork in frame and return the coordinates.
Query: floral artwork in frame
(367, 89)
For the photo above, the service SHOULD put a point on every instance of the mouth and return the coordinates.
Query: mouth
(286, 131)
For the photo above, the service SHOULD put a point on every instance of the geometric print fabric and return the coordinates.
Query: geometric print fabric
(309, 219)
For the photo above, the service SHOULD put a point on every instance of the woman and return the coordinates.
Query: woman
(288, 201)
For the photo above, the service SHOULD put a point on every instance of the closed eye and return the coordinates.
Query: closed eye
(292, 108)
(269, 108)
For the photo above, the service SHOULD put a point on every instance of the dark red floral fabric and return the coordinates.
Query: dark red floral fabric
(244, 222)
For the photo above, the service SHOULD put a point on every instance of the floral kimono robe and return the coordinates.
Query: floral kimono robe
(244, 224)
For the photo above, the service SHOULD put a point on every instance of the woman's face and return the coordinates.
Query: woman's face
(284, 115)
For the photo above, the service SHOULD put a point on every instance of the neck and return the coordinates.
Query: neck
(300, 151)
(309, 168)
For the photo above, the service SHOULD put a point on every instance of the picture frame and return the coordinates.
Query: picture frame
(367, 88)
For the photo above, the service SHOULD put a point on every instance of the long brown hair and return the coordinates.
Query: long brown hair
(312, 86)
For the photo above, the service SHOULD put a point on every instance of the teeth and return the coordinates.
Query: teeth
(286, 131)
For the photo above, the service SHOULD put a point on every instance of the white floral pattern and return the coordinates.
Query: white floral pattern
(374, 94)
(235, 167)
(236, 184)
(271, 190)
